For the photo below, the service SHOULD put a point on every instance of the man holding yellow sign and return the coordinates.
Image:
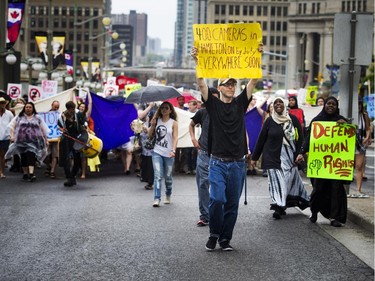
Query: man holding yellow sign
(226, 51)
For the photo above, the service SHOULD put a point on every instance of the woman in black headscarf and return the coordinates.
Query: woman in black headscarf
(280, 141)
(328, 196)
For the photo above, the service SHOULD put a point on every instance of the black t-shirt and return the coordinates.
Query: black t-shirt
(228, 133)
(201, 117)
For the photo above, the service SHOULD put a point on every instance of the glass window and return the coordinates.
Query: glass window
(272, 25)
(63, 23)
(71, 36)
(300, 8)
(318, 8)
(273, 11)
(79, 11)
(285, 11)
(272, 40)
(32, 10)
(96, 12)
(353, 6)
(223, 9)
(278, 26)
(245, 10)
(278, 41)
(259, 11)
(56, 23)
(63, 11)
(279, 11)
(265, 10)
(217, 9)
(41, 22)
(86, 48)
(265, 25)
(251, 10)
(364, 6)
(313, 8)
(285, 26)
(71, 23)
(55, 11)
(230, 9)
(32, 22)
(359, 6)
(284, 40)
(237, 10)
(348, 6)
(87, 12)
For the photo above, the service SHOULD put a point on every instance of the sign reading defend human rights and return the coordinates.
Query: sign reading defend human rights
(332, 150)
(228, 50)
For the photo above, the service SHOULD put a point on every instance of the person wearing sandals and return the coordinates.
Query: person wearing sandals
(279, 141)
(328, 196)
(28, 137)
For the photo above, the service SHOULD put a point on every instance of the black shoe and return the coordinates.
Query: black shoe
(225, 246)
(276, 215)
(25, 177)
(336, 223)
(127, 173)
(282, 212)
(211, 243)
(70, 182)
(314, 217)
(248, 172)
(31, 178)
(254, 172)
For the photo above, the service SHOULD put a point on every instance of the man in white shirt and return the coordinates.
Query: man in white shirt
(5, 118)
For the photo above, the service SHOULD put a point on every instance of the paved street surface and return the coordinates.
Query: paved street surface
(105, 228)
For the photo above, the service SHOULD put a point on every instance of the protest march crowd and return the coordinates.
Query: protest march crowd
(220, 137)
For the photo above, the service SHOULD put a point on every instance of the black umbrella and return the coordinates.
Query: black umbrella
(153, 93)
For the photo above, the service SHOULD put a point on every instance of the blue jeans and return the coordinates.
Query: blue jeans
(203, 184)
(163, 166)
(226, 180)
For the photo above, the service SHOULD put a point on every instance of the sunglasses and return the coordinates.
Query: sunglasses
(227, 85)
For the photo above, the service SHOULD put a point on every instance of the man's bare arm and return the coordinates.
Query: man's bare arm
(200, 80)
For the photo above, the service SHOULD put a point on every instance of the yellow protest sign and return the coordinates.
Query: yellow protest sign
(332, 150)
(312, 93)
(131, 88)
(228, 50)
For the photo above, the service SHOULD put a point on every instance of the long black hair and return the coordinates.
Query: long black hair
(22, 113)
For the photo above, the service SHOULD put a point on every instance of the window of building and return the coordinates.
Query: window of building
(32, 10)
(272, 26)
(95, 24)
(273, 11)
(230, 9)
(265, 11)
(96, 12)
(244, 10)
(279, 11)
(86, 48)
(71, 23)
(217, 9)
(87, 25)
(359, 6)
(285, 26)
(237, 10)
(55, 11)
(259, 11)
(63, 23)
(251, 10)
(343, 6)
(95, 49)
(264, 40)
(272, 40)
(313, 8)
(79, 48)
(304, 8)
(278, 26)
(41, 22)
(278, 40)
(71, 36)
(79, 36)
(63, 11)
(318, 8)
(71, 11)
(285, 11)
(353, 6)
(300, 8)
(364, 6)
(265, 25)
(79, 12)
(87, 12)
(86, 36)
(56, 23)
(32, 22)
(223, 10)
(285, 39)
(42, 11)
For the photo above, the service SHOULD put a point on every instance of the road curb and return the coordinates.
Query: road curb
(360, 219)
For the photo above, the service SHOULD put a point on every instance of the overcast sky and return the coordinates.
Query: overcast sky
(161, 17)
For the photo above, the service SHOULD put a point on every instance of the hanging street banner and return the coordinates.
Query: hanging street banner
(332, 150)
(228, 50)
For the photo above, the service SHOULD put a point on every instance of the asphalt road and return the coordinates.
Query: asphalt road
(105, 228)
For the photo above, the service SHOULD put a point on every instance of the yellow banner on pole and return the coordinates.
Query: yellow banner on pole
(228, 50)
(332, 150)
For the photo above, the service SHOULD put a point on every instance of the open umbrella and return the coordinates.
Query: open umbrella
(153, 93)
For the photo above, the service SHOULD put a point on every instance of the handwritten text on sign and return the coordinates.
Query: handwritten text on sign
(332, 149)
(228, 50)
(51, 118)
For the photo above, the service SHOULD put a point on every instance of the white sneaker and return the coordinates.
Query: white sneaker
(156, 203)
(167, 200)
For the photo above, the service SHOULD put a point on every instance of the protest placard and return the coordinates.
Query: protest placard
(311, 95)
(51, 118)
(332, 150)
(228, 50)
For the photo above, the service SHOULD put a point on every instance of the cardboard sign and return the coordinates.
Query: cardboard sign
(35, 93)
(14, 90)
(332, 150)
(110, 90)
(131, 88)
(228, 50)
(49, 88)
(311, 95)
(51, 118)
